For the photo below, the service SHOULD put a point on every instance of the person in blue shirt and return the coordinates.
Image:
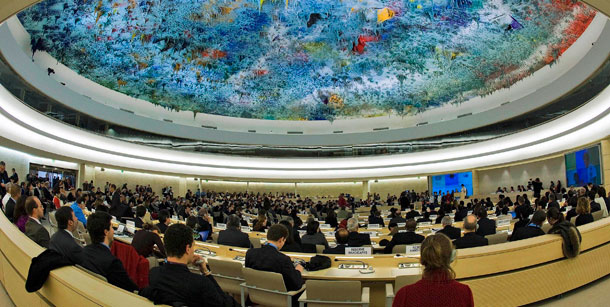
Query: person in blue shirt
(78, 206)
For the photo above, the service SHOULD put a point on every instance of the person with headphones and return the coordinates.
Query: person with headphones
(437, 286)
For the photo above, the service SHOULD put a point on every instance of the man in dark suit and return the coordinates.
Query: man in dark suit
(533, 229)
(4, 179)
(448, 230)
(409, 237)
(354, 238)
(174, 284)
(97, 256)
(341, 240)
(33, 228)
(486, 226)
(412, 214)
(140, 213)
(233, 236)
(594, 205)
(14, 191)
(269, 258)
(553, 202)
(63, 241)
(163, 220)
(470, 238)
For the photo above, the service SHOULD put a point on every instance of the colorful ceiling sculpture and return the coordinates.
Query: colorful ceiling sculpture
(305, 60)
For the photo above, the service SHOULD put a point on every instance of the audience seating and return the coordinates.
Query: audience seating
(320, 249)
(215, 237)
(546, 227)
(53, 222)
(399, 249)
(256, 242)
(266, 288)
(228, 274)
(401, 281)
(87, 238)
(321, 293)
(597, 215)
(500, 237)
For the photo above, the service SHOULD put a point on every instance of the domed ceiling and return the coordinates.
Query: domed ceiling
(306, 60)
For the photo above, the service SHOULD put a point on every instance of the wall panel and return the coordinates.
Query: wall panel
(552, 169)
(396, 186)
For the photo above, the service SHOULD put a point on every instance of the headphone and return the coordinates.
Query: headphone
(453, 255)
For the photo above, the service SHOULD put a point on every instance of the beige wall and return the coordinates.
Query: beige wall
(223, 186)
(270, 187)
(396, 186)
(547, 170)
(157, 182)
(17, 160)
(332, 189)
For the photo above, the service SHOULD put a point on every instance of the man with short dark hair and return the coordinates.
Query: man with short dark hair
(97, 256)
(4, 179)
(341, 236)
(14, 192)
(533, 229)
(269, 258)
(486, 226)
(470, 238)
(163, 220)
(140, 213)
(233, 236)
(174, 284)
(33, 228)
(406, 238)
(63, 241)
(448, 230)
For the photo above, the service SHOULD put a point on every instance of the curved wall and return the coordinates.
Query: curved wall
(22, 125)
(547, 84)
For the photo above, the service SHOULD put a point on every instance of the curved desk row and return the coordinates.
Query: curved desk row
(498, 275)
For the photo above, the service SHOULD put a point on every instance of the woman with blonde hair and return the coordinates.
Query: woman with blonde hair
(437, 286)
(583, 209)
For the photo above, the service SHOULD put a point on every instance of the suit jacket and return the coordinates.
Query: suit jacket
(412, 214)
(401, 238)
(63, 243)
(486, 227)
(116, 199)
(268, 258)
(173, 283)
(469, 240)
(138, 221)
(9, 209)
(37, 233)
(595, 206)
(376, 220)
(162, 227)
(355, 239)
(451, 232)
(526, 233)
(338, 250)
(98, 259)
(233, 237)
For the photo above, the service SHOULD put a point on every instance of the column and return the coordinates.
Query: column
(366, 188)
(606, 163)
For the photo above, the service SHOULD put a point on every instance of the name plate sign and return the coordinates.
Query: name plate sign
(374, 226)
(401, 224)
(503, 222)
(174, 217)
(245, 228)
(221, 226)
(413, 249)
(424, 224)
(131, 224)
(359, 251)
(325, 226)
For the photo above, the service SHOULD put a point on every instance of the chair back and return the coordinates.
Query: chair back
(405, 280)
(333, 291)
(256, 242)
(597, 215)
(546, 227)
(215, 237)
(500, 237)
(152, 262)
(399, 249)
(266, 288)
(320, 249)
(227, 274)
(53, 222)
(87, 238)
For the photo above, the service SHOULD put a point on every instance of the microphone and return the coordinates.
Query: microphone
(235, 250)
(366, 269)
(210, 252)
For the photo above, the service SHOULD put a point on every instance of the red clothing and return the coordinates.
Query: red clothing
(56, 202)
(342, 202)
(135, 265)
(438, 292)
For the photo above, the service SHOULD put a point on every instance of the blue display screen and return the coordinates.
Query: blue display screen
(583, 167)
(452, 182)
